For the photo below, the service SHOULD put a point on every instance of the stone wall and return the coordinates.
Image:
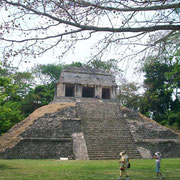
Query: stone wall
(90, 129)
(151, 137)
(79, 146)
(60, 90)
(168, 149)
(40, 148)
(85, 77)
(50, 136)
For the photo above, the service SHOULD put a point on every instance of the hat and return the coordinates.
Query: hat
(157, 153)
(122, 153)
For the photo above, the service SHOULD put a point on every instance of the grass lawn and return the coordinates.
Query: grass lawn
(84, 170)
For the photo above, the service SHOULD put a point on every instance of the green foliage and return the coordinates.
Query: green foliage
(128, 95)
(111, 64)
(10, 99)
(50, 73)
(178, 120)
(162, 83)
(174, 115)
(74, 64)
(20, 96)
(172, 118)
(173, 76)
(164, 123)
(6, 88)
(24, 81)
(41, 95)
(10, 114)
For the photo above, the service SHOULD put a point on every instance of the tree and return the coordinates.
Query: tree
(129, 96)
(174, 87)
(31, 28)
(10, 114)
(174, 75)
(48, 73)
(10, 107)
(43, 92)
(156, 96)
(110, 65)
(161, 100)
(7, 88)
(39, 96)
(20, 96)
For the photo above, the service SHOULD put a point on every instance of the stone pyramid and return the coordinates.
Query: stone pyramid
(87, 129)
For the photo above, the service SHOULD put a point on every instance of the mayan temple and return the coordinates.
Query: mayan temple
(85, 122)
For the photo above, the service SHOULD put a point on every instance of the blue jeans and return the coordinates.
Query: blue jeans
(157, 167)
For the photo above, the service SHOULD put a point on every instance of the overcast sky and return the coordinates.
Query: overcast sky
(81, 53)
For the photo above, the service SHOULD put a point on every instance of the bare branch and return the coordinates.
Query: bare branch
(106, 29)
(43, 25)
(36, 39)
(127, 8)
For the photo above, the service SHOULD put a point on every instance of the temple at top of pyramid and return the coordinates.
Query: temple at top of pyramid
(84, 121)
(83, 82)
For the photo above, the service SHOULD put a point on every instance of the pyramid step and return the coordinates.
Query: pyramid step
(105, 132)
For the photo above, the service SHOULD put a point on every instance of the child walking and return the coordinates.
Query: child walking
(124, 160)
(157, 156)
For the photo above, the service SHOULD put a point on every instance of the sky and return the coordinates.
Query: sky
(81, 53)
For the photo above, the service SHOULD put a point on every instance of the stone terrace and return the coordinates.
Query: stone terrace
(87, 129)
(105, 131)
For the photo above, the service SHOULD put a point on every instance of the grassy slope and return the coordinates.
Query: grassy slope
(84, 170)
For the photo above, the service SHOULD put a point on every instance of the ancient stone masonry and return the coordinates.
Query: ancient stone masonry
(105, 131)
(49, 136)
(81, 127)
(151, 137)
(86, 82)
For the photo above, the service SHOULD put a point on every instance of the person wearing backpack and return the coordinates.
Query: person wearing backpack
(124, 164)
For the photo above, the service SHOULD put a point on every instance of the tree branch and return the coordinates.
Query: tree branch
(129, 9)
(115, 22)
(36, 39)
(105, 29)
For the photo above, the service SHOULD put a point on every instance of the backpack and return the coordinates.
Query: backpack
(128, 165)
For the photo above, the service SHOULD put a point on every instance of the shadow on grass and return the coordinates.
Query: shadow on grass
(5, 167)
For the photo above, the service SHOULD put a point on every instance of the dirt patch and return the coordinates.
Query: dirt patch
(11, 138)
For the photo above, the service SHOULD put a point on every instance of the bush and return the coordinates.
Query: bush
(10, 114)
(172, 118)
(178, 120)
(164, 122)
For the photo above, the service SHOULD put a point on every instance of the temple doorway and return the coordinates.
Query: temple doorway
(88, 92)
(69, 92)
(106, 93)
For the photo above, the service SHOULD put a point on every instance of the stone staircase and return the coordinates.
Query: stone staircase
(105, 131)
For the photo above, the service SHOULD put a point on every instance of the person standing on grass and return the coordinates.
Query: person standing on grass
(157, 156)
(124, 161)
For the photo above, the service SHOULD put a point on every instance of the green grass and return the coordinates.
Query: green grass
(84, 170)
